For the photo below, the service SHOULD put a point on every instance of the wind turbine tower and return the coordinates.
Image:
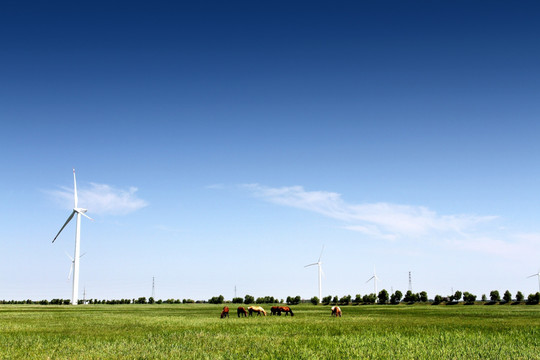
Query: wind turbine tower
(318, 263)
(410, 282)
(79, 211)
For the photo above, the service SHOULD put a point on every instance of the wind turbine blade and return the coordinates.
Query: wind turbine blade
(67, 221)
(321, 254)
(69, 256)
(75, 188)
(83, 214)
(371, 278)
(312, 264)
(82, 255)
(70, 271)
(533, 275)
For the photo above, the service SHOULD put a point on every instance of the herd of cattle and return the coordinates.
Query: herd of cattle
(275, 310)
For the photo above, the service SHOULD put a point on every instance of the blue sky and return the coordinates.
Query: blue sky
(220, 146)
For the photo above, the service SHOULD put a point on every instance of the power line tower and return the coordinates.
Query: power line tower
(153, 288)
(410, 282)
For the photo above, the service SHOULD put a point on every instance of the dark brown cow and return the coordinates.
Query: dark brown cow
(274, 310)
(241, 311)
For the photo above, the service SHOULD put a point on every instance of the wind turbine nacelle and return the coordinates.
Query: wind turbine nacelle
(80, 210)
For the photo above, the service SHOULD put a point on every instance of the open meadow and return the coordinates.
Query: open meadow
(195, 331)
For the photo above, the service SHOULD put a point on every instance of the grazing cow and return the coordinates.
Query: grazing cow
(287, 310)
(241, 311)
(256, 309)
(274, 310)
(225, 312)
(336, 311)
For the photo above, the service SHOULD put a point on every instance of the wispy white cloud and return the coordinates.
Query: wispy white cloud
(102, 199)
(215, 186)
(168, 229)
(522, 247)
(382, 220)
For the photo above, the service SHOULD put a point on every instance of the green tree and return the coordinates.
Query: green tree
(457, 295)
(507, 296)
(396, 297)
(216, 300)
(293, 300)
(369, 298)
(335, 300)
(345, 300)
(151, 300)
(383, 296)
(494, 296)
(237, 300)
(248, 299)
(533, 298)
(326, 300)
(315, 300)
(357, 300)
(519, 297)
(469, 298)
(423, 296)
(410, 297)
(437, 300)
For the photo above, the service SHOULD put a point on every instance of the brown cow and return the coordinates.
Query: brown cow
(336, 311)
(241, 311)
(287, 310)
(274, 310)
(225, 312)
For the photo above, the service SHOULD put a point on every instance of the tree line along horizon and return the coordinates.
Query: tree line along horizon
(382, 298)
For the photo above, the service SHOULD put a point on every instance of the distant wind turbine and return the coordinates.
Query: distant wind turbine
(318, 263)
(72, 262)
(374, 278)
(538, 274)
(79, 211)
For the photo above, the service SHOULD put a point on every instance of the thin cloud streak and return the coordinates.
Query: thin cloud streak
(102, 199)
(520, 247)
(383, 220)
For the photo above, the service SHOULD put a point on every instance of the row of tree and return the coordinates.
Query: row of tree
(141, 300)
(397, 297)
(383, 297)
(249, 299)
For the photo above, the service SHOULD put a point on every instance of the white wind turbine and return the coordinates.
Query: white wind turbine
(79, 211)
(538, 274)
(72, 263)
(374, 278)
(318, 263)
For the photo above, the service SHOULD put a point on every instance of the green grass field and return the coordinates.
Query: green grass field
(195, 331)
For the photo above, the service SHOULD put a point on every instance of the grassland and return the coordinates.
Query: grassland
(195, 331)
